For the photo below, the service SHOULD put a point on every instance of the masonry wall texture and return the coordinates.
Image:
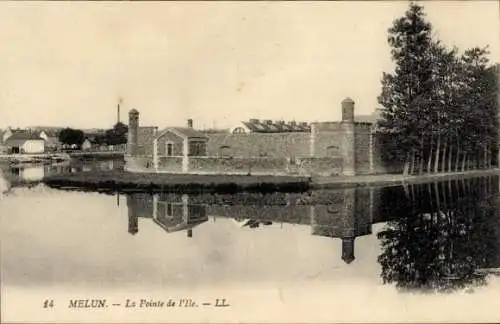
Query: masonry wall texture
(170, 164)
(237, 165)
(259, 144)
(330, 148)
(145, 136)
(327, 139)
(177, 144)
(362, 147)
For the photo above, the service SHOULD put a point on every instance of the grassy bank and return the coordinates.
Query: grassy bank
(185, 183)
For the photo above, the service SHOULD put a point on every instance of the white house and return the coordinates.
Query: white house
(25, 142)
(86, 145)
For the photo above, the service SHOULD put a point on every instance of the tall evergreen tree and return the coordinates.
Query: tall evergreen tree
(406, 93)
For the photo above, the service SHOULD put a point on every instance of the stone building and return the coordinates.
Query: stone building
(345, 147)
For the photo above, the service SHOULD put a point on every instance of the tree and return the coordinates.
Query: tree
(406, 93)
(117, 135)
(439, 108)
(442, 235)
(70, 136)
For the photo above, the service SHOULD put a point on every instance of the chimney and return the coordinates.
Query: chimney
(269, 122)
(293, 123)
(190, 123)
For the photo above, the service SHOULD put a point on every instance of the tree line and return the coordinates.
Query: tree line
(113, 136)
(439, 106)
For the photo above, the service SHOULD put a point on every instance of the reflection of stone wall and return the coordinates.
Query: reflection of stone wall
(140, 205)
(285, 214)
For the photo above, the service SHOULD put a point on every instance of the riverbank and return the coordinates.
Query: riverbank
(44, 158)
(382, 180)
(191, 183)
(185, 183)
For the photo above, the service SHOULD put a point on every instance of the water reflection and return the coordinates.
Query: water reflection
(440, 236)
(444, 236)
(22, 175)
(343, 218)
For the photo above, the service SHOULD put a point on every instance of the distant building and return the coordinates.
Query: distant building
(87, 145)
(24, 142)
(51, 138)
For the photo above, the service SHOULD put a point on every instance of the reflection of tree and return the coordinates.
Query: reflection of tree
(445, 236)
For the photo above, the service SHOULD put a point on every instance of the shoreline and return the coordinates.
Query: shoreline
(381, 180)
(197, 183)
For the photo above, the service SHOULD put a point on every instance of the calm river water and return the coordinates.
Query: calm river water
(369, 249)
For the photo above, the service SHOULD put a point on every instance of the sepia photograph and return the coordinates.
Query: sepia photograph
(249, 161)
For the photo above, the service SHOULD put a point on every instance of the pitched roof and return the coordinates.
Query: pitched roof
(268, 126)
(23, 135)
(188, 132)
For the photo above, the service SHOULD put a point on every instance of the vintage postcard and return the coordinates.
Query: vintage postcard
(249, 161)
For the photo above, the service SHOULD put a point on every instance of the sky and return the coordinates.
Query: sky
(69, 63)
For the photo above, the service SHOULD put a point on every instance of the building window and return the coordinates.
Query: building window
(170, 149)
(196, 148)
(169, 210)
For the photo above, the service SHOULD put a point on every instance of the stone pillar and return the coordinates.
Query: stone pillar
(190, 123)
(348, 147)
(133, 126)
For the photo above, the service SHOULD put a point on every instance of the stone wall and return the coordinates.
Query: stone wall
(170, 164)
(327, 139)
(176, 140)
(320, 166)
(362, 152)
(145, 136)
(259, 144)
(237, 165)
(138, 164)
